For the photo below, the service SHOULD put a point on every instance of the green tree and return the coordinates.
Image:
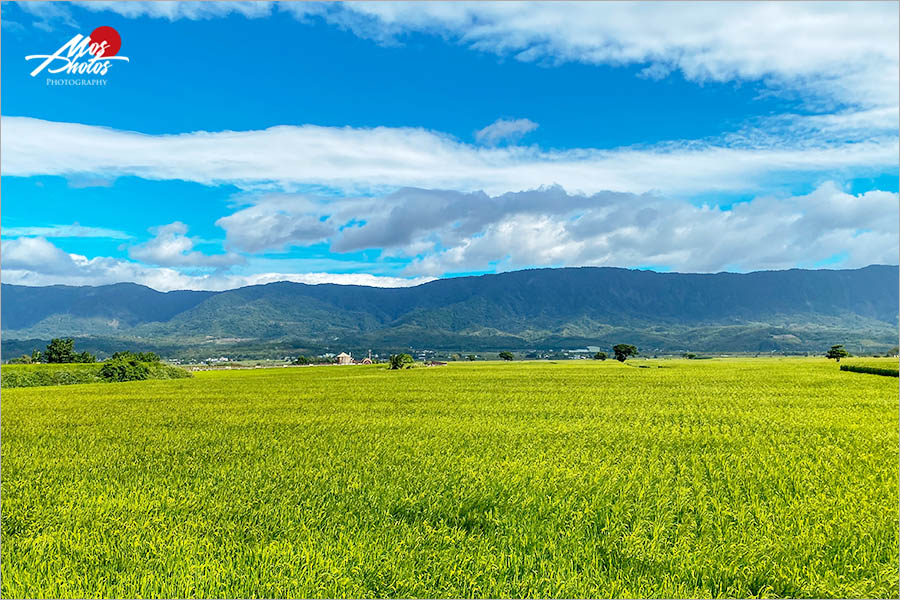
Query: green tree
(470, 357)
(36, 356)
(506, 355)
(401, 361)
(837, 352)
(60, 350)
(302, 360)
(25, 359)
(85, 357)
(624, 351)
(689, 355)
(600, 356)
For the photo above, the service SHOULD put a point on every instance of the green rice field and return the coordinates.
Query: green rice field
(712, 478)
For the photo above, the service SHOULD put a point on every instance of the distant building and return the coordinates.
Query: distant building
(344, 359)
(366, 361)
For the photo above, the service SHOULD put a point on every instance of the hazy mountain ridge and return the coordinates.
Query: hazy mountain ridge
(534, 308)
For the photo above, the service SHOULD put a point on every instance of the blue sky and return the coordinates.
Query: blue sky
(390, 144)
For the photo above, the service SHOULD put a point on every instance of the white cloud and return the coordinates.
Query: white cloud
(552, 228)
(831, 52)
(442, 232)
(77, 182)
(35, 253)
(842, 58)
(844, 52)
(839, 51)
(36, 261)
(338, 278)
(49, 14)
(12, 26)
(172, 11)
(505, 130)
(60, 231)
(171, 247)
(382, 158)
(274, 222)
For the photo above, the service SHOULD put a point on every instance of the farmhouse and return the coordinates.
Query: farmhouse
(344, 359)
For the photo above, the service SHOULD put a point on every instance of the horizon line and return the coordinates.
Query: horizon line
(447, 277)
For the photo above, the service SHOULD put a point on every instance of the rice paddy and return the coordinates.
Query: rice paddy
(709, 478)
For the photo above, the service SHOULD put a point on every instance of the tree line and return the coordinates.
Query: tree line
(62, 351)
(621, 352)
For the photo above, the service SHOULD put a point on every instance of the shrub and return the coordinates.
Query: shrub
(124, 369)
(85, 358)
(401, 361)
(506, 355)
(68, 374)
(35, 375)
(147, 357)
(871, 370)
(160, 370)
(600, 356)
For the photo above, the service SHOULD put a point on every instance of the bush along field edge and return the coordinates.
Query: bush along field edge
(67, 374)
(887, 372)
(59, 364)
(109, 372)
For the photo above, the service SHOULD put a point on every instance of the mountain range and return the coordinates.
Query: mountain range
(783, 311)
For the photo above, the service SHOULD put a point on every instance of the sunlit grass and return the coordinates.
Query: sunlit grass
(578, 479)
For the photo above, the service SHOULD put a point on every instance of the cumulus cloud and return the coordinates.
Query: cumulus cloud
(357, 160)
(438, 232)
(171, 247)
(275, 222)
(505, 130)
(36, 261)
(552, 228)
(32, 253)
(446, 231)
(842, 58)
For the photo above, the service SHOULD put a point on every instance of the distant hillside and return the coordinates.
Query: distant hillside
(794, 310)
(126, 303)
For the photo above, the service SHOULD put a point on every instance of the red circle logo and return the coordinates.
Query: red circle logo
(108, 35)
